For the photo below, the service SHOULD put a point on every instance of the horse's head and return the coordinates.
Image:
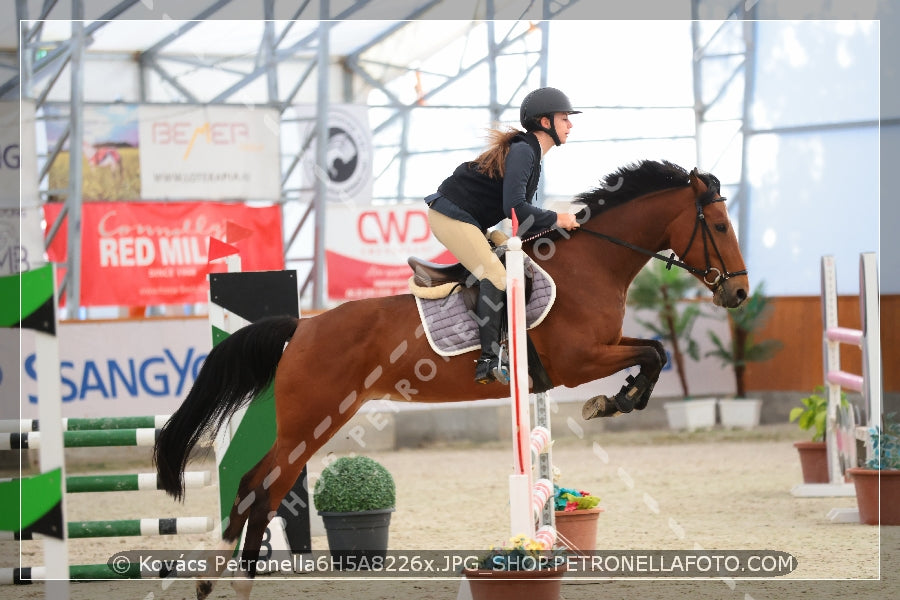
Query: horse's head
(705, 240)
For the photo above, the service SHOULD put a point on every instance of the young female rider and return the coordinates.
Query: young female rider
(481, 193)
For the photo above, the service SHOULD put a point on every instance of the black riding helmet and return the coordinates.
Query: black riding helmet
(544, 102)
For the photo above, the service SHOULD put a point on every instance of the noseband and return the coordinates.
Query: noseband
(708, 197)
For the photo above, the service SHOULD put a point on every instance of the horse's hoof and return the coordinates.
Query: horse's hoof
(204, 589)
(599, 406)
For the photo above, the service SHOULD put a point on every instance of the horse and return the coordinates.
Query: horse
(327, 366)
(105, 157)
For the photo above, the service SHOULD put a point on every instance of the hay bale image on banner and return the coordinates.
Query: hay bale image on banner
(111, 167)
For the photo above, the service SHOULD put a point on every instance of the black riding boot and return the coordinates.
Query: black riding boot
(491, 311)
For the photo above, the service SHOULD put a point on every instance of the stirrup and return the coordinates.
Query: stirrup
(491, 369)
(500, 370)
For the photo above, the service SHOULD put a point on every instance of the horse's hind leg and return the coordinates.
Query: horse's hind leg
(259, 494)
(251, 506)
(204, 585)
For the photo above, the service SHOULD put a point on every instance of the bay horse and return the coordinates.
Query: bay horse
(375, 348)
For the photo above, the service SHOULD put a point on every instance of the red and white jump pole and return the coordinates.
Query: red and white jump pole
(526, 497)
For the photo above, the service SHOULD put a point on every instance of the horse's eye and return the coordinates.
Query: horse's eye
(721, 227)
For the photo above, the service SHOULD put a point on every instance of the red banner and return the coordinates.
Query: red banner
(143, 253)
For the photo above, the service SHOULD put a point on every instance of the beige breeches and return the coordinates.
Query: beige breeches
(469, 245)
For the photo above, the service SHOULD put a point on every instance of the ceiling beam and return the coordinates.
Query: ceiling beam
(415, 14)
(185, 27)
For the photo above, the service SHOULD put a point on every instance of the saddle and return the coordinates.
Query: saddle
(432, 281)
(446, 296)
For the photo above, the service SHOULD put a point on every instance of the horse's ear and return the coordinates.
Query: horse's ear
(697, 182)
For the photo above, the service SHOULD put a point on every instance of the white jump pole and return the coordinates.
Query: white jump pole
(870, 319)
(526, 497)
(52, 454)
(521, 514)
(840, 436)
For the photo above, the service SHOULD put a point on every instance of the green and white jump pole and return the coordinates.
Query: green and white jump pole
(37, 504)
(236, 299)
(34, 507)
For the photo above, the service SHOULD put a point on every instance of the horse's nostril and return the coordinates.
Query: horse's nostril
(741, 294)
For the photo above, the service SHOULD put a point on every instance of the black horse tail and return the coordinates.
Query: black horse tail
(235, 371)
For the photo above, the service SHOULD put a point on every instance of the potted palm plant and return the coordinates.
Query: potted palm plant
(662, 291)
(744, 348)
(877, 483)
(355, 496)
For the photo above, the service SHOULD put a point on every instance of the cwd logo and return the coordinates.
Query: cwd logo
(386, 227)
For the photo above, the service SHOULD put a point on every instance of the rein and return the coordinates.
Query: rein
(704, 199)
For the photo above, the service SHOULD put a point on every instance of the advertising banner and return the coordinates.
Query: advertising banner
(220, 152)
(110, 166)
(21, 242)
(10, 154)
(109, 368)
(140, 253)
(172, 152)
(17, 151)
(367, 248)
(349, 153)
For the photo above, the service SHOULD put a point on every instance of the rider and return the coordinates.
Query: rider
(481, 193)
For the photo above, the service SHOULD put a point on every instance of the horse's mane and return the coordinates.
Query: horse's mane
(628, 182)
(631, 181)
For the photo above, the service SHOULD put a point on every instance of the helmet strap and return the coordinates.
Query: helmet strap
(551, 131)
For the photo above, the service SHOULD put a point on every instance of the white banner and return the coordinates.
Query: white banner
(367, 248)
(124, 368)
(21, 240)
(211, 152)
(13, 150)
(133, 368)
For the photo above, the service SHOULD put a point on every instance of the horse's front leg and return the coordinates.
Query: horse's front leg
(651, 358)
(653, 372)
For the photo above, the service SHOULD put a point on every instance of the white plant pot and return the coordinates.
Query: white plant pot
(740, 413)
(699, 413)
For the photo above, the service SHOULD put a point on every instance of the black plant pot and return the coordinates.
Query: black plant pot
(355, 538)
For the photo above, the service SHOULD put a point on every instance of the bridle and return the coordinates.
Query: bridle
(710, 196)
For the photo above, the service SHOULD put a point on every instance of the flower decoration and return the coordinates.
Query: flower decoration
(569, 499)
(885, 444)
(521, 553)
